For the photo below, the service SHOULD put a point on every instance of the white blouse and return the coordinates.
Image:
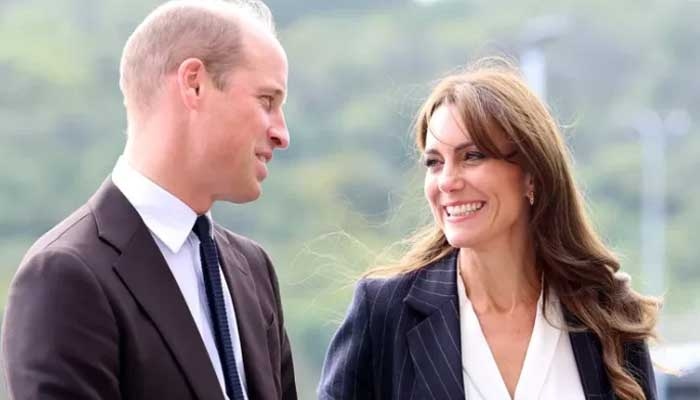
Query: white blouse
(549, 371)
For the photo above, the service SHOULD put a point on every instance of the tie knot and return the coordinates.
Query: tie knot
(202, 227)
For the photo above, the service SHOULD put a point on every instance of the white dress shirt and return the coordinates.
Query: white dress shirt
(549, 371)
(170, 222)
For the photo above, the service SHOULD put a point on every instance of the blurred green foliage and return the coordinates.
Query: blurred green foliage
(349, 185)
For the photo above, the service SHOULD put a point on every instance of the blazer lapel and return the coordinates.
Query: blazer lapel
(587, 352)
(252, 323)
(145, 273)
(434, 343)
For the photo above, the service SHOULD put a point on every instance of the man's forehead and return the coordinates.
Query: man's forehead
(263, 58)
(263, 49)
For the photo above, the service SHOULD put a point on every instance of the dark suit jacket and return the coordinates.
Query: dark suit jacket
(400, 340)
(95, 313)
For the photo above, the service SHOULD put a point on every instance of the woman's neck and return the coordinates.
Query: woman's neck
(500, 280)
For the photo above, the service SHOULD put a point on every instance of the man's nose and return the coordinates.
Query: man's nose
(279, 135)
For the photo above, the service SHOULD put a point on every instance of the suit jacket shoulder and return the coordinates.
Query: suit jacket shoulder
(95, 313)
(383, 297)
(58, 283)
(382, 350)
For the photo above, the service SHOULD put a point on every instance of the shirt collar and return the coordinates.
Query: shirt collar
(166, 216)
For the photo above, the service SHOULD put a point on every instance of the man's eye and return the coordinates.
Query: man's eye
(267, 101)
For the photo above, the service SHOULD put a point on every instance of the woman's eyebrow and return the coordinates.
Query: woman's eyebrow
(457, 148)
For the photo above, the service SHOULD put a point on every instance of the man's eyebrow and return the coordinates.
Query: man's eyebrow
(274, 91)
(281, 95)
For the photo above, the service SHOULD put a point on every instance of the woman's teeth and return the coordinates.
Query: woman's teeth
(464, 209)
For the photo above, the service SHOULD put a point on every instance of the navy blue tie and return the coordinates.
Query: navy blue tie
(217, 307)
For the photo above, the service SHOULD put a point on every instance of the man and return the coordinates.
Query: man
(124, 299)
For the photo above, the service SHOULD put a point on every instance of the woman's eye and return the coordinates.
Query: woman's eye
(431, 162)
(474, 156)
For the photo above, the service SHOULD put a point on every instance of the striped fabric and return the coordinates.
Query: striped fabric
(400, 340)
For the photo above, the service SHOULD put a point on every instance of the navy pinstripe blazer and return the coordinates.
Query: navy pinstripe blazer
(400, 340)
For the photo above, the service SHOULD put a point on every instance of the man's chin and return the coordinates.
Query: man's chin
(247, 196)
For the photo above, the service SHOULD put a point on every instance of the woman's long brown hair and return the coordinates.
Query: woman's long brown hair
(492, 99)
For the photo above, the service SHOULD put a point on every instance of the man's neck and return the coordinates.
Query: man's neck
(163, 165)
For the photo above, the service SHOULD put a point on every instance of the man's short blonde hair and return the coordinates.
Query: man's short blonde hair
(209, 30)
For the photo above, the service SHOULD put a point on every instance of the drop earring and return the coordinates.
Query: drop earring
(531, 197)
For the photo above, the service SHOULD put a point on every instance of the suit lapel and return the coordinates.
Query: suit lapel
(587, 352)
(252, 323)
(144, 271)
(434, 342)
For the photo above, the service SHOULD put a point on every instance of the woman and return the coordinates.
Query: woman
(510, 294)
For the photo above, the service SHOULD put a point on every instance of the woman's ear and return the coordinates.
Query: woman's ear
(529, 188)
(529, 183)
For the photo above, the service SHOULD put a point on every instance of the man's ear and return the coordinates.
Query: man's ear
(191, 75)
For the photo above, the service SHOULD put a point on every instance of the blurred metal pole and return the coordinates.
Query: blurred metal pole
(536, 33)
(534, 68)
(653, 211)
(653, 200)
(655, 134)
